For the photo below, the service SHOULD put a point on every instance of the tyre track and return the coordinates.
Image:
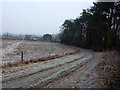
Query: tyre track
(34, 70)
(62, 68)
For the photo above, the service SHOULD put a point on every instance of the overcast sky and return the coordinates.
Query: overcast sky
(38, 18)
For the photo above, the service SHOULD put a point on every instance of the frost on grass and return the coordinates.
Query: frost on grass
(33, 51)
(106, 74)
(109, 69)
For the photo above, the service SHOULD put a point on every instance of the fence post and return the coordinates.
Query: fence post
(22, 56)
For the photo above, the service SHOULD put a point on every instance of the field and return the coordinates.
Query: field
(32, 51)
(54, 65)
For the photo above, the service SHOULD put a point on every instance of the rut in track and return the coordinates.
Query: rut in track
(44, 74)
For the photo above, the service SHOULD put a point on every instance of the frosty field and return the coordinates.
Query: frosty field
(33, 51)
(54, 65)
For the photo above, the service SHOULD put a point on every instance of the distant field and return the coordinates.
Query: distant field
(33, 50)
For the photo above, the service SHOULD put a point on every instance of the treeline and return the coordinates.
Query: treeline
(8, 35)
(45, 37)
(97, 28)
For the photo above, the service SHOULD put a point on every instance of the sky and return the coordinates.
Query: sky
(38, 17)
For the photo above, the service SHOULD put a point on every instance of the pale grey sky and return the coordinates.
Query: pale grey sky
(38, 18)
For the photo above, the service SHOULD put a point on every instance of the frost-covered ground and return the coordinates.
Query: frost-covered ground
(33, 50)
(41, 73)
(85, 69)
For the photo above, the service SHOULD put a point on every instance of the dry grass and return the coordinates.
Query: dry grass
(34, 51)
(16, 63)
(109, 69)
(15, 66)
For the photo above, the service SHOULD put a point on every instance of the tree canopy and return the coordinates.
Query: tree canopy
(97, 28)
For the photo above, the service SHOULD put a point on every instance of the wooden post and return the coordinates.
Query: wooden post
(22, 56)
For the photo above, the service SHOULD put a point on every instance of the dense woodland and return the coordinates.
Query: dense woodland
(97, 28)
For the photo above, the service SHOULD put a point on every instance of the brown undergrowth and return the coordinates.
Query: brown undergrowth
(109, 69)
(15, 66)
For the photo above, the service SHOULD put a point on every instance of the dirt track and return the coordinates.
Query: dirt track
(61, 72)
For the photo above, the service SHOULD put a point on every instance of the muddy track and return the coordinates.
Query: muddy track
(10, 77)
(76, 77)
(61, 75)
(43, 75)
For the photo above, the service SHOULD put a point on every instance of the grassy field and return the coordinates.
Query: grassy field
(33, 51)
